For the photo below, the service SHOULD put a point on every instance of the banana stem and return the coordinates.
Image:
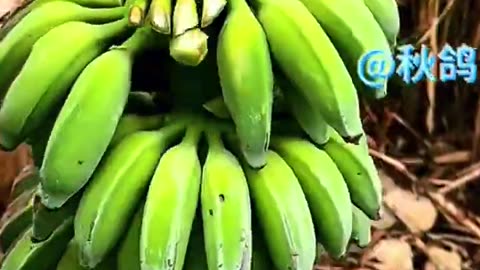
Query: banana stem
(141, 39)
(214, 139)
(193, 134)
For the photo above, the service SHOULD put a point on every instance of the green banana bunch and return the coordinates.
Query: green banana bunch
(159, 16)
(96, 101)
(211, 9)
(27, 255)
(171, 205)
(225, 204)
(361, 229)
(353, 36)
(311, 62)
(46, 221)
(387, 15)
(283, 214)
(17, 44)
(22, 113)
(116, 187)
(325, 189)
(245, 71)
(189, 48)
(131, 123)
(307, 116)
(16, 219)
(359, 172)
(128, 255)
(185, 16)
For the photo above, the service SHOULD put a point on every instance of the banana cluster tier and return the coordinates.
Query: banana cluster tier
(189, 134)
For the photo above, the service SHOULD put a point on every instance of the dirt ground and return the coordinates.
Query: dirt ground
(425, 139)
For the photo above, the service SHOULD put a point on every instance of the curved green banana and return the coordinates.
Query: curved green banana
(325, 190)
(353, 36)
(117, 186)
(171, 205)
(387, 15)
(226, 212)
(359, 172)
(311, 62)
(137, 11)
(16, 219)
(26, 255)
(96, 101)
(128, 256)
(361, 229)
(308, 117)
(283, 214)
(245, 72)
(131, 123)
(22, 113)
(18, 42)
(46, 221)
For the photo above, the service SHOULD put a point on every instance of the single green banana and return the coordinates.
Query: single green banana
(325, 190)
(128, 256)
(283, 214)
(361, 229)
(46, 221)
(308, 117)
(311, 62)
(353, 36)
(245, 71)
(211, 9)
(116, 187)
(26, 255)
(387, 15)
(131, 123)
(96, 101)
(17, 44)
(26, 181)
(359, 172)
(159, 16)
(21, 113)
(189, 48)
(16, 219)
(196, 258)
(137, 12)
(226, 213)
(171, 205)
(185, 16)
